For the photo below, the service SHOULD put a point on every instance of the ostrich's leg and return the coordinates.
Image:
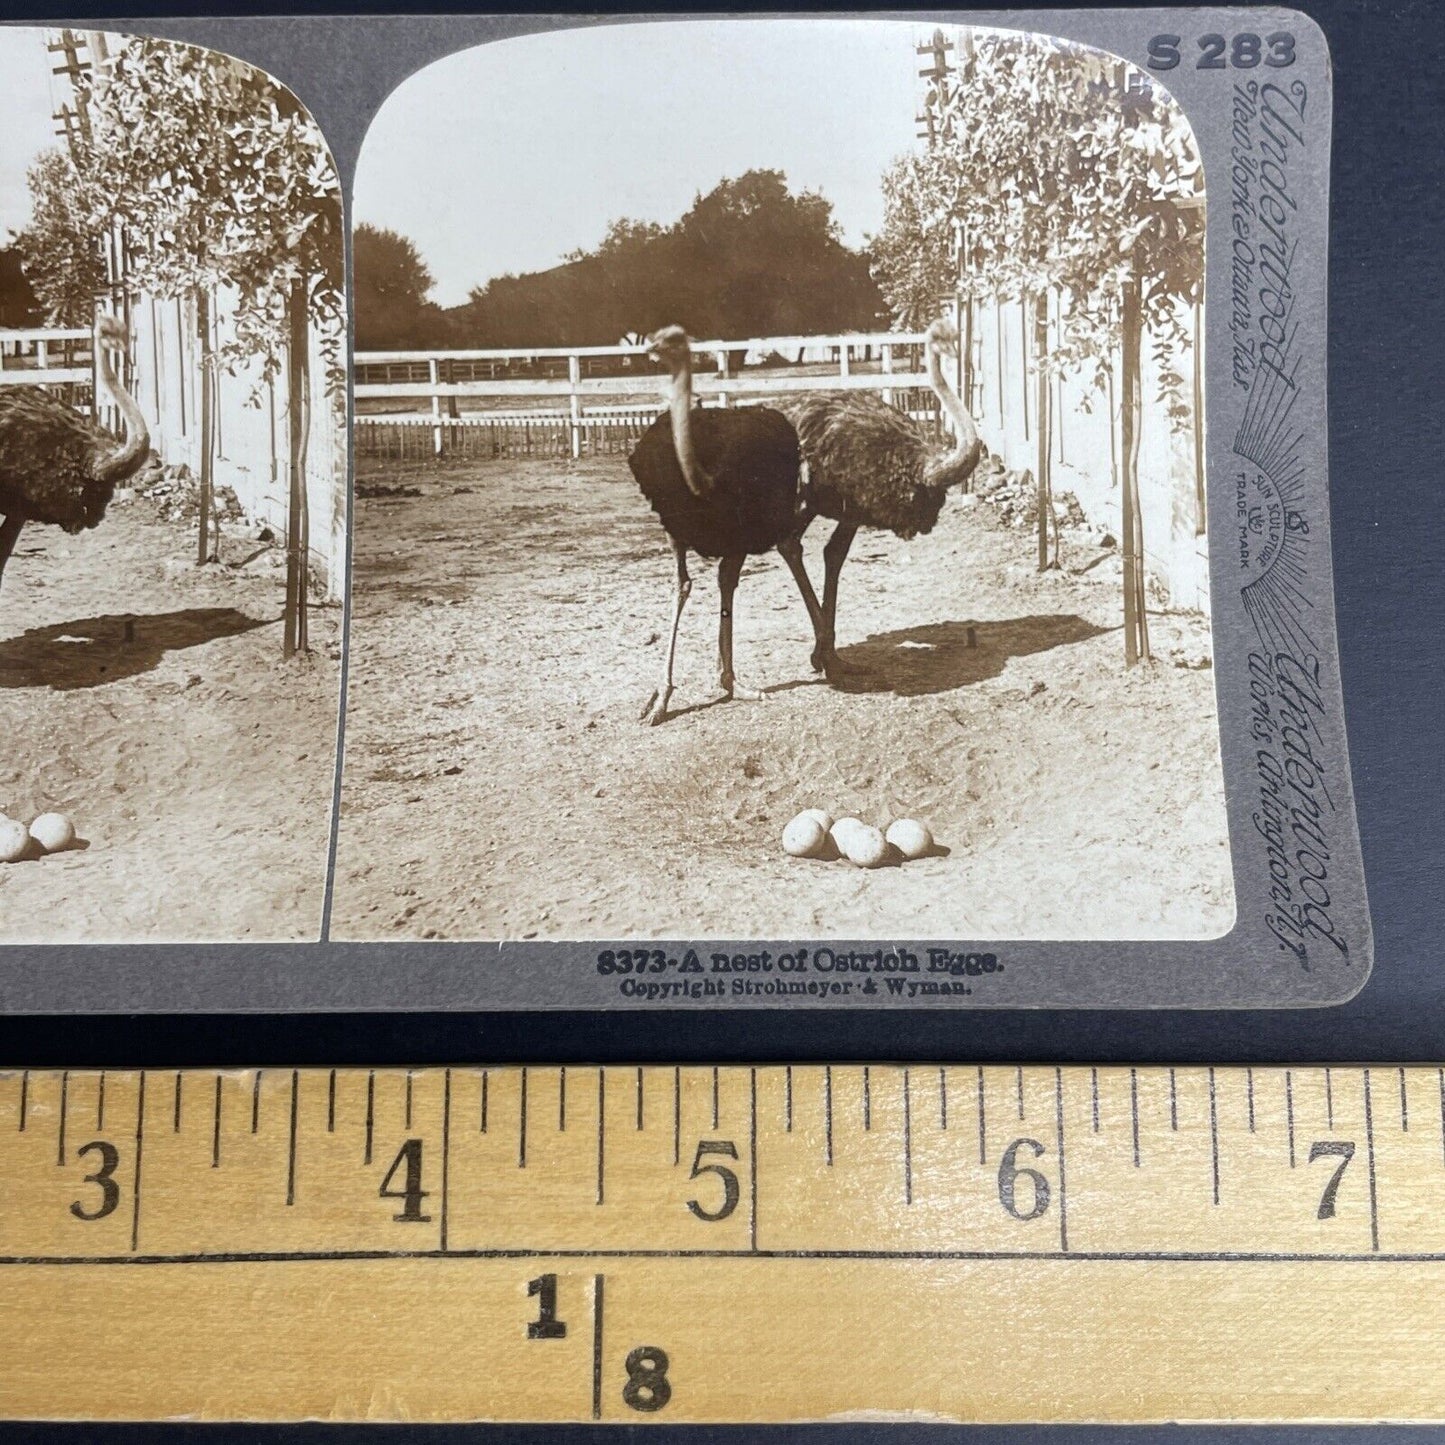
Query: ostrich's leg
(728, 571)
(9, 535)
(835, 553)
(791, 551)
(656, 707)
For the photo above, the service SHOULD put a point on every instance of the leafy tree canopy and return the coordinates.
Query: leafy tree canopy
(749, 258)
(392, 288)
(1052, 167)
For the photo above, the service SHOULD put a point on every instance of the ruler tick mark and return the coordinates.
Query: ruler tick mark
(943, 1098)
(485, 1077)
(1289, 1112)
(216, 1128)
(25, 1100)
(1214, 1134)
(370, 1112)
(408, 1100)
(1441, 1075)
(331, 1103)
(828, 1110)
(291, 1138)
(714, 1096)
(1134, 1110)
(1063, 1176)
(256, 1102)
(1329, 1099)
(1370, 1148)
(176, 1114)
(597, 1347)
(140, 1134)
(788, 1100)
(1173, 1102)
(982, 1125)
(64, 1100)
(639, 1097)
(907, 1142)
(867, 1098)
(753, 1155)
(100, 1102)
(676, 1117)
(1094, 1090)
(601, 1129)
(522, 1123)
(1404, 1105)
(446, 1156)
(1249, 1090)
(1019, 1085)
(562, 1100)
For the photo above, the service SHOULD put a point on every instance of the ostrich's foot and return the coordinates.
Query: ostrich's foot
(655, 709)
(732, 690)
(827, 661)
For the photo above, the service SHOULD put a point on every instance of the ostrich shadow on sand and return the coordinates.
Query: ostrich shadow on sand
(938, 657)
(94, 651)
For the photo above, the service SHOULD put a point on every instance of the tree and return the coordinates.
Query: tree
(217, 180)
(59, 251)
(19, 305)
(749, 258)
(1057, 170)
(392, 286)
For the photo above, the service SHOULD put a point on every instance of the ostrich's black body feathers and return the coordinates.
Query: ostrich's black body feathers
(752, 456)
(49, 456)
(869, 465)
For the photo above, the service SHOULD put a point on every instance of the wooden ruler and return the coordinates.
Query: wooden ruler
(730, 1244)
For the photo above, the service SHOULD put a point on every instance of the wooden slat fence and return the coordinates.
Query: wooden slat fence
(466, 393)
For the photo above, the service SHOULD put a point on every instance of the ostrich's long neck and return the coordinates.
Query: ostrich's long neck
(126, 457)
(680, 406)
(968, 446)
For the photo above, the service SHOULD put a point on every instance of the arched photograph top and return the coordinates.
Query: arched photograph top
(173, 460)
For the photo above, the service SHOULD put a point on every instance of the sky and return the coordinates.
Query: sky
(26, 128)
(504, 157)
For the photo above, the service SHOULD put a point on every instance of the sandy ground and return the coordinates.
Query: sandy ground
(508, 625)
(197, 765)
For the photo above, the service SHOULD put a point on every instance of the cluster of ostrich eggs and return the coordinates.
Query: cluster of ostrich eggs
(50, 833)
(815, 833)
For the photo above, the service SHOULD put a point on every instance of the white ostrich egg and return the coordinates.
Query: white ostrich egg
(910, 837)
(804, 837)
(53, 831)
(840, 831)
(14, 840)
(865, 847)
(824, 818)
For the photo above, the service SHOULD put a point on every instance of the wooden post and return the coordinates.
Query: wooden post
(888, 371)
(845, 359)
(574, 378)
(724, 370)
(204, 551)
(434, 376)
(1024, 359)
(298, 418)
(1045, 458)
(1136, 627)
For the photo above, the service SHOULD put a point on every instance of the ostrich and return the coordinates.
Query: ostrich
(57, 466)
(724, 484)
(867, 464)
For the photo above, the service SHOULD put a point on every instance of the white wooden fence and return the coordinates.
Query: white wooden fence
(567, 378)
(251, 447)
(45, 357)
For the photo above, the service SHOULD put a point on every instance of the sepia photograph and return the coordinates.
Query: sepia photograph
(780, 499)
(173, 475)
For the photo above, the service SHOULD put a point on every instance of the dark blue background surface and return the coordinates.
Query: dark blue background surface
(1387, 376)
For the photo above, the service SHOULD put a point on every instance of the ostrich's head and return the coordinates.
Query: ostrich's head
(671, 346)
(943, 336)
(112, 333)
